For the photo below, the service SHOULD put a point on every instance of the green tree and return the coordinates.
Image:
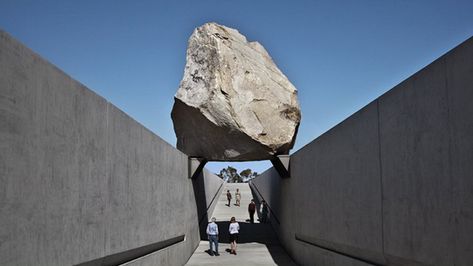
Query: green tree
(230, 175)
(246, 173)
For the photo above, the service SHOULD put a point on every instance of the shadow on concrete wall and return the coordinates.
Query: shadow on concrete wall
(201, 202)
(205, 198)
(258, 198)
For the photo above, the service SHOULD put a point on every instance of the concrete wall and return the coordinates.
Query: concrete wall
(207, 188)
(82, 182)
(390, 185)
(213, 186)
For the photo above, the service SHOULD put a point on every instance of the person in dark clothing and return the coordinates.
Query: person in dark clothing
(229, 197)
(264, 212)
(251, 210)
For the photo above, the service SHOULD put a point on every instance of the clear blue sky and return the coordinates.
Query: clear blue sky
(339, 54)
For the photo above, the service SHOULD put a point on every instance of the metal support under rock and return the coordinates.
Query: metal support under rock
(195, 166)
(281, 164)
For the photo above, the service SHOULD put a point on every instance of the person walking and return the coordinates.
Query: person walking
(264, 211)
(229, 197)
(251, 210)
(234, 230)
(237, 197)
(212, 233)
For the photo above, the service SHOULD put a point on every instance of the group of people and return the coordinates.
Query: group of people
(237, 197)
(212, 233)
(251, 206)
(234, 227)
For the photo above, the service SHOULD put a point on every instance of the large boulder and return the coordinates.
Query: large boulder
(233, 103)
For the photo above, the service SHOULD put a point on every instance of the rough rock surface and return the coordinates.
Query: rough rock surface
(233, 103)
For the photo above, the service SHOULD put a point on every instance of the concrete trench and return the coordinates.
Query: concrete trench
(82, 183)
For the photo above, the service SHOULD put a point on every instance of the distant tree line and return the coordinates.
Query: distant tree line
(231, 175)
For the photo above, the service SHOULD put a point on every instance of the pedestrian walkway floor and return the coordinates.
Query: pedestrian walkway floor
(258, 243)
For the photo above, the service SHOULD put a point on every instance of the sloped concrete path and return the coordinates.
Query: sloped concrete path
(258, 244)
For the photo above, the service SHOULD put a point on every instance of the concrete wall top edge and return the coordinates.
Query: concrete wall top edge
(387, 93)
(267, 170)
(5, 36)
(335, 128)
(424, 69)
(111, 105)
(18, 44)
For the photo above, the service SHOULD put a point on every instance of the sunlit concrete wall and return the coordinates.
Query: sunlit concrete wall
(80, 181)
(390, 185)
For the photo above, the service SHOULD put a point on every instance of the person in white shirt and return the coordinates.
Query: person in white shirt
(212, 233)
(233, 229)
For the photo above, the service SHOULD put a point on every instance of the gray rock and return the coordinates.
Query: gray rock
(233, 103)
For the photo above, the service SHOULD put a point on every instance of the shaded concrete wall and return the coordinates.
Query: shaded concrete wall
(82, 182)
(390, 185)
(213, 186)
(207, 188)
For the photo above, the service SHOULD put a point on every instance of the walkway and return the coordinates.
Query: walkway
(258, 244)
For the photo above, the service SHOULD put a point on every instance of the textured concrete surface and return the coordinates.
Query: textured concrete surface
(81, 180)
(426, 133)
(460, 94)
(347, 176)
(257, 245)
(390, 185)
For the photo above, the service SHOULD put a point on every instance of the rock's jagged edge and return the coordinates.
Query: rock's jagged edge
(202, 143)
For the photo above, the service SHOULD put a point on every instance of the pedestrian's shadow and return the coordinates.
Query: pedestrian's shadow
(249, 233)
(253, 233)
(262, 233)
